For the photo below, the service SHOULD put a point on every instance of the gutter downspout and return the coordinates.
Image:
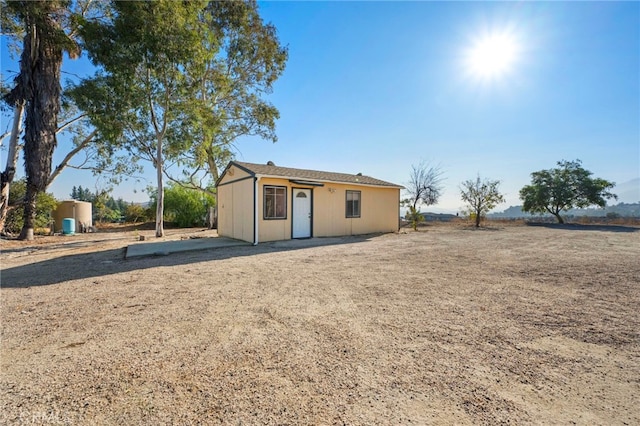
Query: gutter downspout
(255, 210)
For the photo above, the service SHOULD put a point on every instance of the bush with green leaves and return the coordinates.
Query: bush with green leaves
(414, 217)
(136, 213)
(45, 205)
(185, 207)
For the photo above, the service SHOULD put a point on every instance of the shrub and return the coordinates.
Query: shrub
(45, 204)
(184, 207)
(135, 213)
(414, 217)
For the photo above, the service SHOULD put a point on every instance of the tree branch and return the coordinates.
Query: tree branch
(152, 111)
(69, 156)
(4, 135)
(70, 122)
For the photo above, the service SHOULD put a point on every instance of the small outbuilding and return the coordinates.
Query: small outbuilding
(264, 202)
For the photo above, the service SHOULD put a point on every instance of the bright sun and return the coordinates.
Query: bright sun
(492, 56)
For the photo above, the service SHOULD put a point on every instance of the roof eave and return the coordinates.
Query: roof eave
(291, 177)
(233, 163)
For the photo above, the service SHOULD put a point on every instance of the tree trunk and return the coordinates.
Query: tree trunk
(29, 213)
(212, 217)
(560, 219)
(160, 203)
(478, 217)
(10, 170)
(40, 65)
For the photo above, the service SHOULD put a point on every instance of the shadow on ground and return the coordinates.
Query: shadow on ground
(581, 227)
(107, 262)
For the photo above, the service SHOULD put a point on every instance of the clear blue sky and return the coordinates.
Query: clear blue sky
(375, 87)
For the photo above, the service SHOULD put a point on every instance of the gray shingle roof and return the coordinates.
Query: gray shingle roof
(313, 175)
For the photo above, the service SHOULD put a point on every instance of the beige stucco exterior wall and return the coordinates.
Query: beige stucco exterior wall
(379, 211)
(273, 229)
(235, 205)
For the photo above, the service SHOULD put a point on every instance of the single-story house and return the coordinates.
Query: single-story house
(264, 202)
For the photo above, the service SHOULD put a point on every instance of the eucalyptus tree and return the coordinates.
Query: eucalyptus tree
(150, 58)
(246, 60)
(40, 31)
(37, 88)
(6, 177)
(87, 152)
(179, 82)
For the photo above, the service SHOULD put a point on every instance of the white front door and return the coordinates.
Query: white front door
(301, 213)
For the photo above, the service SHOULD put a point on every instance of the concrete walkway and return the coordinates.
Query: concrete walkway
(164, 248)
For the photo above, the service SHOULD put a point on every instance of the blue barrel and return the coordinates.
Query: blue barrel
(68, 226)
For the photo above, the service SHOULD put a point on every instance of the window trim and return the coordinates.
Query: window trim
(346, 204)
(264, 202)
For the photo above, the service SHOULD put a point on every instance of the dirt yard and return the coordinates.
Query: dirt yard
(448, 325)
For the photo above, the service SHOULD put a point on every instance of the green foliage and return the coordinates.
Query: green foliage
(136, 213)
(104, 208)
(82, 194)
(190, 76)
(565, 187)
(414, 217)
(16, 18)
(185, 207)
(246, 60)
(45, 205)
(481, 195)
(151, 57)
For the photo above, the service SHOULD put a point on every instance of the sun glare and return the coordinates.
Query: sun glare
(492, 56)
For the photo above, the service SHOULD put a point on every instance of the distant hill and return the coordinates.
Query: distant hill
(444, 217)
(431, 216)
(628, 192)
(511, 212)
(621, 209)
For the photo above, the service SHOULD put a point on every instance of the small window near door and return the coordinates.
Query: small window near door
(275, 202)
(353, 203)
(301, 195)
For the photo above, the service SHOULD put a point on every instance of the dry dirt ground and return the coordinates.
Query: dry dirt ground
(448, 325)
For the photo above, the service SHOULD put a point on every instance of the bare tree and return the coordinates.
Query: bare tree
(424, 186)
(481, 195)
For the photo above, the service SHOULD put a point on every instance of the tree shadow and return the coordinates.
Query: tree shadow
(582, 227)
(108, 262)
